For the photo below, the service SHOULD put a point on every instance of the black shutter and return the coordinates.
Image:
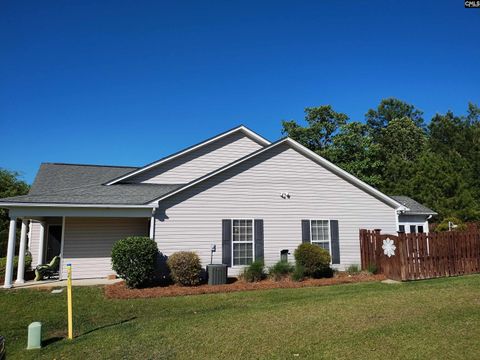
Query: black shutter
(227, 242)
(259, 240)
(334, 238)
(305, 231)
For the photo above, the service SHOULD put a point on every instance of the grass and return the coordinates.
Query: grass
(418, 320)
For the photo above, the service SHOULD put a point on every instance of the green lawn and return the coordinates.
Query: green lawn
(437, 319)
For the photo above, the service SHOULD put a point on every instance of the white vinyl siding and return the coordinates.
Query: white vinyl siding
(191, 220)
(88, 243)
(34, 234)
(199, 162)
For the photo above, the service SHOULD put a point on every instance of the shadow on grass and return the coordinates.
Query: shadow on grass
(55, 339)
(106, 326)
(52, 340)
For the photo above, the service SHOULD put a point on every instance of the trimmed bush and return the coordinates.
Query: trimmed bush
(353, 269)
(254, 272)
(185, 268)
(3, 264)
(314, 259)
(133, 259)
(281, 270)
(299, 273)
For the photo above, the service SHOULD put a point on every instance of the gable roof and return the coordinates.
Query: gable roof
(309, 154)
(73, 184)
(249, 133)
(415, 208)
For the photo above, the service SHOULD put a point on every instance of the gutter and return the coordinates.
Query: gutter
(103, 206)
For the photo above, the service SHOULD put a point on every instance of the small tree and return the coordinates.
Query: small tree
(185, 268)
(133, 258)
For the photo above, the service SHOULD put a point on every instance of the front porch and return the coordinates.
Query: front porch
(83, 237)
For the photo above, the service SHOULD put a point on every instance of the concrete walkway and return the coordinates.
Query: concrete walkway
(62, 283)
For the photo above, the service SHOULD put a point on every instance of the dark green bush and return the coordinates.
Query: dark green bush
(353, 269)
(185, 268)
(254, 272)
(133, 259)
(298, 273)
(372, 268)
(281, 270)
(314, 259)
(3, 264)
(443, 226)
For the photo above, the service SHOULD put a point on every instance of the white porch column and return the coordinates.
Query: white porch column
(10, 253)
(41, 243)
(21, 253)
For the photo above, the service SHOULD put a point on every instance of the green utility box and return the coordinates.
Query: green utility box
(217, 274)
(34, 336)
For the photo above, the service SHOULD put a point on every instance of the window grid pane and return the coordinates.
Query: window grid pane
(320, 231)
(242, 242)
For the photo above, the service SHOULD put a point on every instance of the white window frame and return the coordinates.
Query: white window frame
(323, 241)
(243, 242)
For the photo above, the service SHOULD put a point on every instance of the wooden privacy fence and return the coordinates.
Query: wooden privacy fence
(421, 256)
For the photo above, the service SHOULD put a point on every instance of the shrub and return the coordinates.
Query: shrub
(372, 268)
(185, 268)
(3, 264)
(298, 273)
(443, 226)
(353, 269)
(281, 270)
(254, 272)
(133, 259)
(314, 259)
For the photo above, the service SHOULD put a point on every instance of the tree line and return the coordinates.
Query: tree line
(396, 151)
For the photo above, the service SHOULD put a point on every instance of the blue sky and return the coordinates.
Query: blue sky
(127, 82)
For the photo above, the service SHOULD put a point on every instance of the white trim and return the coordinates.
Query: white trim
(62, 243)
(29, 235)
(244, 242)
(302, 149)
(70, 205)
(242, 128)
(41, 243)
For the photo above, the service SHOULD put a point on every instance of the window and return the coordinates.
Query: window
(320, 233)
(401, 228)
(420, 228)
(413, 229)
(242, 239)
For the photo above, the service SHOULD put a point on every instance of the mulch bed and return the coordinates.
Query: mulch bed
(120, 291)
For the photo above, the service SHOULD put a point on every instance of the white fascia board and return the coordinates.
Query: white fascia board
(103, 206)
(242, 128)
(308, 153)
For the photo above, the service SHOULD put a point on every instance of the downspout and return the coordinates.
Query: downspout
(152, 225)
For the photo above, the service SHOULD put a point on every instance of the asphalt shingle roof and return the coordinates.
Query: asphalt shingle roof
(415, 207)
(83, 184)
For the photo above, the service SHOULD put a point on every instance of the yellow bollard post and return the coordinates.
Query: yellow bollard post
(69, 301)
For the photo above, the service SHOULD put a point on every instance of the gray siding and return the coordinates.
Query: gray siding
(88, 243)
(199, 162)
(192, 220)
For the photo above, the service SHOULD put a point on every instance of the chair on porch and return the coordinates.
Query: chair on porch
(47, 270)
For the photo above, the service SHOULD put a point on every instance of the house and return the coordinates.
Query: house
(251, 198)
(415, 219)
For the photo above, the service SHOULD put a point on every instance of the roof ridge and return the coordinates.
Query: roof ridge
(91, 165)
